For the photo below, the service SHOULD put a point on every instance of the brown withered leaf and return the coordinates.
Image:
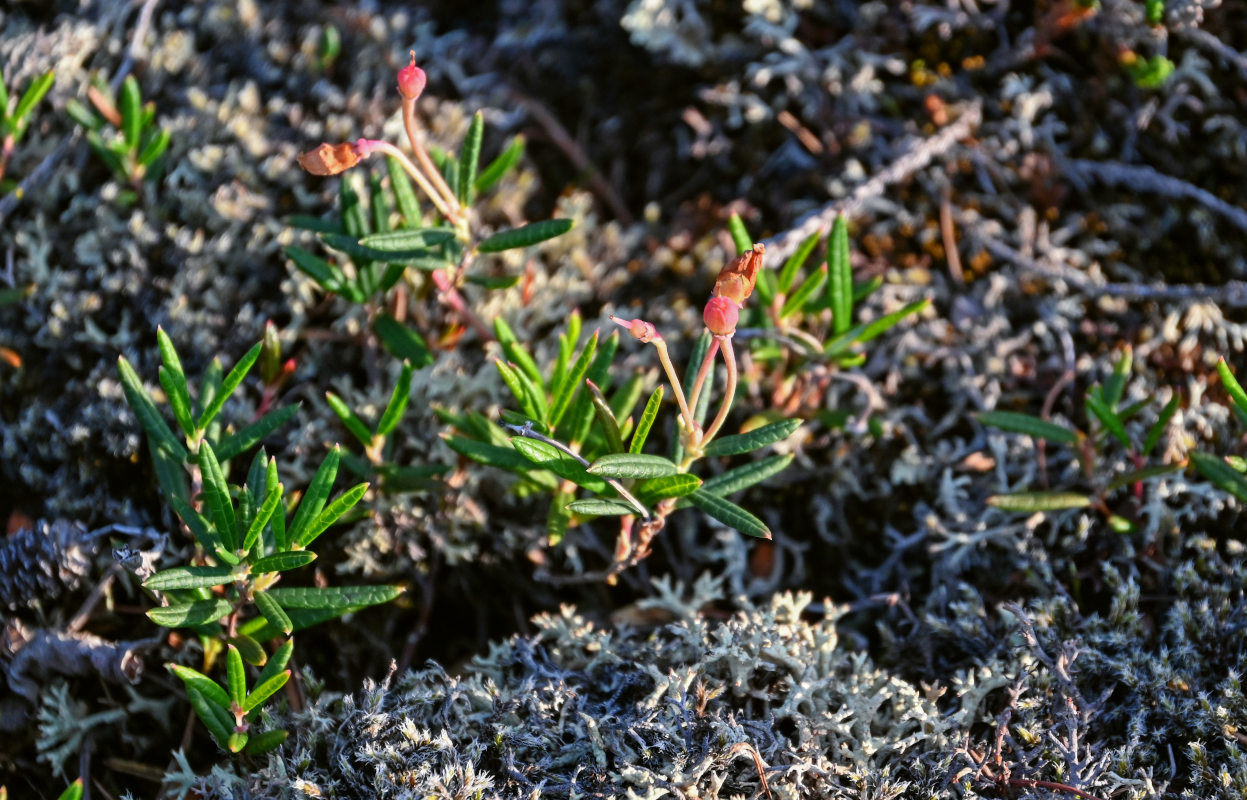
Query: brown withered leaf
(329, 159)
(736, 280)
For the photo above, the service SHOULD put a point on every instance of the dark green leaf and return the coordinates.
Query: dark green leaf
(803, 292)
(158, 433)
(571, 382)
(1138, 475)
(264, 691)
(469, 158)
(173, 380)
(339, 599)
(328, 275)
(194, 679)
(1158, 428)
(559, 517)
(235, 677)
(490, 454)
(232, 380)
(578, 421)
(1030, 502)
(605, 417)
(565, 466)
(651, 491)
(30, 98)
(647, 420)
(1115, 386)
(401, 341)
(748, 442)
(596, 507)
(865, 332)
(215, 719)
(1030, 425)
(633, 465)
(280, 562)
(531, 399)
(189, 578)
(525, 236)
(277, 662)
(407, 242)
(202, 529)
(131, 112)
(729, 514)
(792, 265)
(216, 492)
(332, 513)
(1221, 474)
(746, 475)
(270, 506)
(190, 614)
(515, 352)
(266, 742)
(350, 419)
(155, 148)
(1108, 418)
(398, 402)
(317, 494)
(273, 612)
(404, 193)
(314, 224)
(237, 443)
(840, 277)
(507, 159)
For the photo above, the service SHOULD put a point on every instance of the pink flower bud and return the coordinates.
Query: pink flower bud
(411, 79)
(639, 328)
(720, 315)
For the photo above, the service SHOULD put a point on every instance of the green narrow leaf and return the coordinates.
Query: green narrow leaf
(794, 263)
(489, 454)
(327, 275)
(4, 110)
(332, 513)
(595, 507)
(579, 419)
(216, 492)
(625, 398)
(202, 529)
(158, 433)
(729, 514)
(531, 400)
(194, 679)
(649, 492)
(796, 301)
(507, 159)
(214, 718)
(558, 518)
(272, 502)
(398, 402)
(469, 158)
(1030, 502)
(273, 612)
(237, 443)
(266, 742)
(633, 465)
(339, 599)
(1233, 388)
(235, 677)
(407, 242)
(30, 98)
(232, 380)
(515, 352)
(155, 148)
(174, 384)
(549, 457)
(840, 277)
(74, 790)
(317, 494)
(404, 193)
(131, 112)
(748, 442)
(350, 419)
(571, 382)
(277, 662)
(264, 691)
(740, 234)
(1030, 425)
(280, 562)
(170, 475)
(1221, 474)
(189, 578)
(869, 330)
(746, 475)
(351, 209)
(1162, 422)
(1154, 471)
(525, 236)
(189, 614)
(648, 415)
(237, 741)
(605, 417)
(379, 204)
(401, 341)
(1108, 418)
(767, 287)
(251, 651)
(1115, 386)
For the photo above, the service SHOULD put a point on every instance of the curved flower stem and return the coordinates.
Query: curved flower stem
(729, 393)
(707, 364)
(665, 358)
(413, 136)
(450, 212)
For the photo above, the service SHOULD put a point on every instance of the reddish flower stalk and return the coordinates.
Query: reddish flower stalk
(410, 84)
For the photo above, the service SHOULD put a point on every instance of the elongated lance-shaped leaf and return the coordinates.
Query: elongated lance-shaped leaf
(398, 402)
(173, 379)
(605, 416)
(1147, 473)
(378, 204)
(194, 679)
(30, 98)
(794, 263)
(280, 562)
(72, 792)
(170, 474)
(508, 158)
(404, 193)
(564, 465)
(1030, 425)
(235, 677)
(244, 439)
(265, 742)
(526, 236)
(1030, 502)
(578, 421)
(155, 148)
(337, 598)
(567, 346)
(651, 491)
(648, 415)
(270, 506)
(276, 662)
(264, 691)
(796, 301)
(1221, 474)
(1115, 386)
(328, 275)
(189, 614)
(189, 578)
(633, 465)
(1158, 428)
(487, 453)
(131, 112)
(351, 208)
(863, 333)
(1133, 409)
(767, 287)
(840, 277)
(205, 533)
(332, 513)
(315, 498)
(748, 442)
(350, 419)
(1234, 389)
(1108, 418)
(273, 612)
(214, 718)
(729, 514)
(216, 492)
(624, 399)
(469, 158)
(567, 388)
(231, 382)
(401, 341)
(158, 433)
(409, 242)
(744, 476)
(559, 517)
(251, 651)
(257, 484)
(305, 222)
(515, 352)
(531, 399)
(740, 234)
(4, 109)
(597, 507)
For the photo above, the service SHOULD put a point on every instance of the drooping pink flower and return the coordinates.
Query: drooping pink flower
(720, 316)
(411, 79)
(639, 328)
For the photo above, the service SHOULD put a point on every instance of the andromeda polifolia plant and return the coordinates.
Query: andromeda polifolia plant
(15, 121)
(123, 132)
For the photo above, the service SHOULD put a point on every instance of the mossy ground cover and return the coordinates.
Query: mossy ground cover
(1063, 182)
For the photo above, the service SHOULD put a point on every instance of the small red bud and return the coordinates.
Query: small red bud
(720, 315)
(411, 79)
(639, 328)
